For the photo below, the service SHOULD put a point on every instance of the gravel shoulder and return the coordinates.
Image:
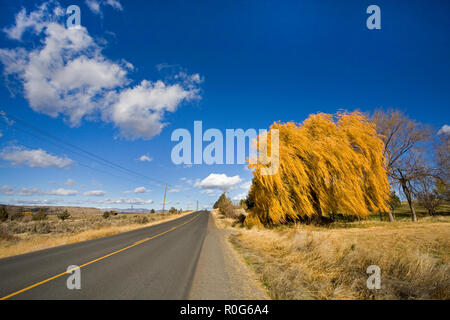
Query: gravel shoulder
(221, 274)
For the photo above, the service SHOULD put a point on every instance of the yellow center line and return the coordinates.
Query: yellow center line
(98, 259)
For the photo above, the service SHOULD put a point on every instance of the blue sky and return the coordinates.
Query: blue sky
(230, 64)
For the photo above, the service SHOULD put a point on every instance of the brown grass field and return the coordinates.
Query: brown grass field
(317, 262)
(24, 235)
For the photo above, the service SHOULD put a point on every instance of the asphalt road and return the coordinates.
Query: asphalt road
(115, 267)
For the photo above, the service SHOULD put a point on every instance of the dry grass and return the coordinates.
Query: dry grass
(221, 221)
(307, 262)
(17, 237)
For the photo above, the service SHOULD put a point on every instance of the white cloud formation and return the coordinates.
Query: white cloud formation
(34, 202)
(95, 193)
(7, 190)
(139, 190)
(186, 180)
(246, 185)
(61, 192)
(68, 75)
(218, 181)
(174, 190)
(95, 5)
(211, 192)
(129, 201)
(70, 182)
(145, 158)
(55, 192)
(240, 196)
(29, 192)
(444, 130)
(139, 111)
(36, 20)
(33, 158)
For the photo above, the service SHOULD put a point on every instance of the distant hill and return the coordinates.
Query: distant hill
(57, 209)
(75, 210)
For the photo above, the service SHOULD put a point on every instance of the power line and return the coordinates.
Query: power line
(86, 153)
(74, 152)
(94, 169)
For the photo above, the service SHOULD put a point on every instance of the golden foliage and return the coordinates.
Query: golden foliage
(327, 165)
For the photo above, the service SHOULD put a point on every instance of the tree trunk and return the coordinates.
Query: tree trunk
(381, 216)
(408, 193)
(413, 212)
(391, 218)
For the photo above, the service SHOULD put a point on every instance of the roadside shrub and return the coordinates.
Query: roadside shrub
(222, 199)
(152, 211)
(227, 209)
(3, 213)
(106, 214)
(239, 220)
(173, 210)
(42, 227)
(17, 214)
(5, 235)
(141, 219)
(64, 215)
(40, 215)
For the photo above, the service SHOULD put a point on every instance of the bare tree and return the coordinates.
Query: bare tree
(427, 194)
(403, 139)
(442, 152)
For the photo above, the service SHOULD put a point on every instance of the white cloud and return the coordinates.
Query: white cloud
(55, 192)
(33, 158)
(240, 196)
(68, 75)
(95, 5)
(210, 192)
(246, 185)
(34, 202)
(219, 181)
(61, 192)
(96, 193)
(29, 192)
(139, 111)
(445, 129)
(174, 190)
(145, 158)
(129, 201)
(70, 182)
(8, 190)
(139, 190)
(35, 20)
(186, 180)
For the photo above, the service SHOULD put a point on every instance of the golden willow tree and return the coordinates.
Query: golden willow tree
(327, 165)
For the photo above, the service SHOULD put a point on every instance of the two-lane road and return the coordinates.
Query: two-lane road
(156, 262)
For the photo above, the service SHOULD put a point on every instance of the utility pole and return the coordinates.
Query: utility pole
(197, 205)
(164, 202)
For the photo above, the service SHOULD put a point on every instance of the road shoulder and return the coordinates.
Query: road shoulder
(221, 274)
